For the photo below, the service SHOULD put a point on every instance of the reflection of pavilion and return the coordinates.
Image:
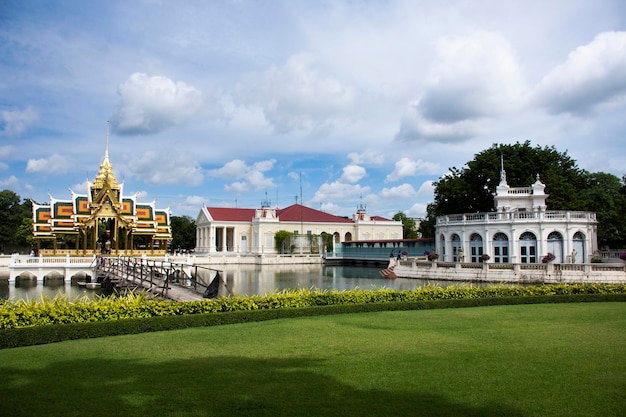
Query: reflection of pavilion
(102, 221)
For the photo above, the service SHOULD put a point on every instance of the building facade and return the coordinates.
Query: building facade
(520, 230)
(103, 221)
(252, 231)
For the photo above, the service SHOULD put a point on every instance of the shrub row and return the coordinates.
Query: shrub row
(61, 310)
(34, 335)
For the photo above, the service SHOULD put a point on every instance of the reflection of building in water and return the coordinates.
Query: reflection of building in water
(520, 230)
(104, 220)
(248, 230)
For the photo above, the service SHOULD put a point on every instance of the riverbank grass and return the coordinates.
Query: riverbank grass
(524, 360)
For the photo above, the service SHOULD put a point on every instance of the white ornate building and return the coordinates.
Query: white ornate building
(520, 230)
(251, 231)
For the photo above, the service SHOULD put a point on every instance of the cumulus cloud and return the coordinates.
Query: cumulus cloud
(251, 176)
(160, 168)
(11, 182)
(417, 210)
(352, 173)
(476, 77)
(190, 204)
(298, 96)
(407, 167)
(592, 75)
(14, 123)
(367, 157)
(338, 191)
(401, 191)
(153, 104)
(54, 164)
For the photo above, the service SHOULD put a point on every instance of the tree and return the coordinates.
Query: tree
(409, 229)
(12, 213)
(183, 232)
(282, 241)
(471, 189)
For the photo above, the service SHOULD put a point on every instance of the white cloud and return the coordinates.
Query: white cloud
(401, 191)
(367, 157)
(11, 182)
(298, 96)
(159, 168)
(54, 164)
(475, 78)
(338, 191)
(417, 210)
(407, 167)
(352, 173)
(152, 104)
(253, 176)
(426, 189)
(592, 75)
(14, 123)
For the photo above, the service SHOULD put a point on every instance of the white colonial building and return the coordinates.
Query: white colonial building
(251, 231)
(520, 230)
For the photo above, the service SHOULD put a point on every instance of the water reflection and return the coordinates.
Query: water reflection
(244, 280)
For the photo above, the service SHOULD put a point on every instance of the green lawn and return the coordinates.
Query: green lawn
(529, 360)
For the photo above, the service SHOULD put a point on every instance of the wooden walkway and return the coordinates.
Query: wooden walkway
(158, 278)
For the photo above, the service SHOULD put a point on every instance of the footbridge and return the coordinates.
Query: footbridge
(169, 280)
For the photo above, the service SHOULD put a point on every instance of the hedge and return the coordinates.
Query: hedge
(29, 323)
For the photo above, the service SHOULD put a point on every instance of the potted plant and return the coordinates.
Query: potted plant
(622, 256)
(484, 257)
(433, 256)
(548, 258)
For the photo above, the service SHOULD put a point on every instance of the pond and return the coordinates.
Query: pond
(244, 280)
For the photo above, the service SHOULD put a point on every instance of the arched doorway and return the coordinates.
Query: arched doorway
(555, 246)
(456, 247)
(528, 248)
(578, 253)
(476, 247)
(500, 248)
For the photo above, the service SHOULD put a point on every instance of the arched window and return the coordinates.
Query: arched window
(456, 247)
(528, 248)
(337, 237)
(500, 248)
(578, 252)
(476, 247)
(555, 246)
(348, 237)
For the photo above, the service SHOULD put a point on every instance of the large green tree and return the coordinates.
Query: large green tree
(409, 228)
(12, 214)
(183, 232)
(471, 189)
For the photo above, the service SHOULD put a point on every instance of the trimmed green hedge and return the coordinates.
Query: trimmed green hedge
(28, 322)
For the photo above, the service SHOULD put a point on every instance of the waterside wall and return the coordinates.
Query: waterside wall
(548, 273)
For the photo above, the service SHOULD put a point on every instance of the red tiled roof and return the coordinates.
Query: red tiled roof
(293, 213)
(229, 214)
(380, 219)
(298, 212)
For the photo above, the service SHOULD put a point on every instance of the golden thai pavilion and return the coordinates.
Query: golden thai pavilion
(102, 222)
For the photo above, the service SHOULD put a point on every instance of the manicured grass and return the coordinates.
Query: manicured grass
(527, 360)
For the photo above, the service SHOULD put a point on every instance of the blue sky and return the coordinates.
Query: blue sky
(227, 103)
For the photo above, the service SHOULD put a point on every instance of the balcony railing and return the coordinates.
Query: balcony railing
(516, 216)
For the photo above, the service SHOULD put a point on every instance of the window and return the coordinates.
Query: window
(476, 247)
(528, 248)
(500, 248)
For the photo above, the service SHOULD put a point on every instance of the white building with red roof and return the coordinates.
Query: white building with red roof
(221, 230)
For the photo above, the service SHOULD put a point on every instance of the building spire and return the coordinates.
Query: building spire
(106, 148)
(502, 171)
